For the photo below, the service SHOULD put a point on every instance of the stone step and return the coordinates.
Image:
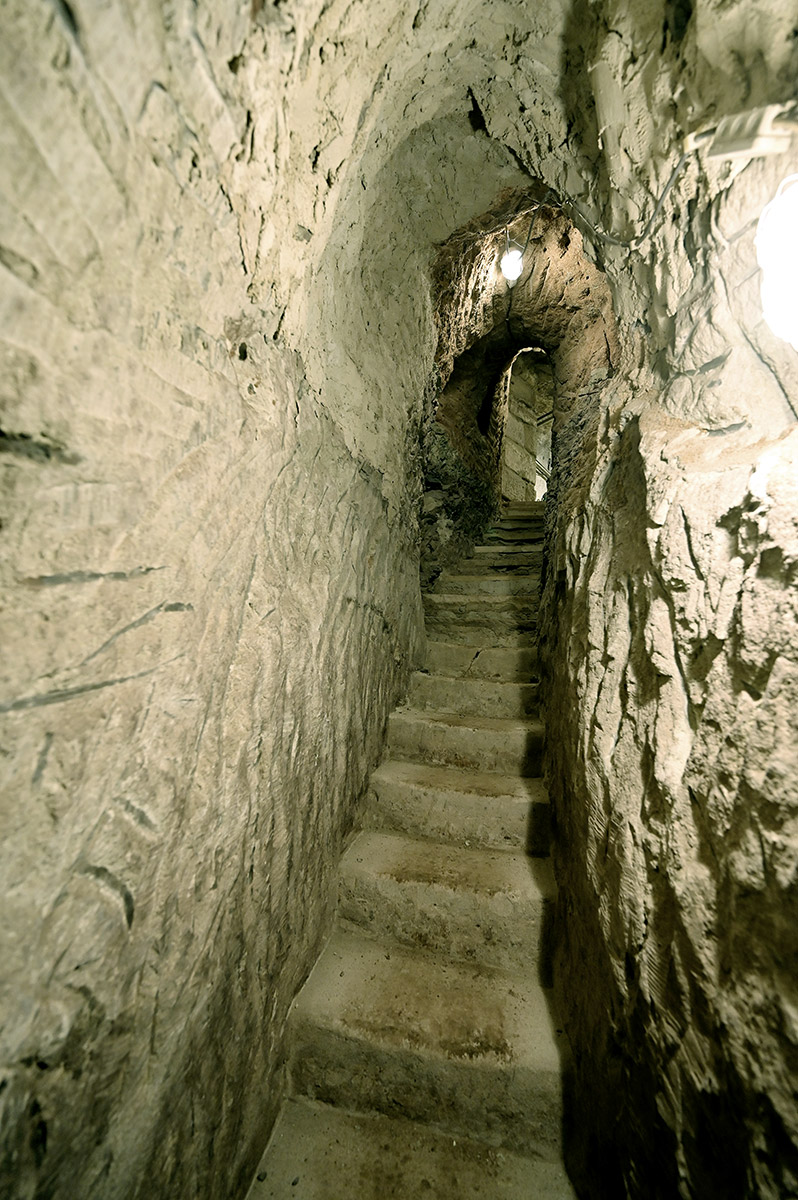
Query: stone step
(511, 534)
(482, 661)
(489, 907)
(470, 1050)
(508, 583)
(489, 560)
(468, 808)
(507, 547)
(518, 520)
(472, 697)
(317, 1152)
(523, 508)
(504, 745)
(508, 620)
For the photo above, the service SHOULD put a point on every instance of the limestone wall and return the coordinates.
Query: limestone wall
(206, 616)
(671, 643)
(672, 760)
(216, 341)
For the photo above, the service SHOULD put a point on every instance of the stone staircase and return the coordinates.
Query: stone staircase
(424, 1056)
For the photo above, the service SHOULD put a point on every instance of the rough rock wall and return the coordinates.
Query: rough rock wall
(213, 258)
(206, 618)
(672, 618)
(442, 172)
(674, 770)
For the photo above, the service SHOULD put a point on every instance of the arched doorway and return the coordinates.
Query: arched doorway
(525, 465)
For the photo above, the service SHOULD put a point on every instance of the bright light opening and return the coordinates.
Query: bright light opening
(777, 255)
(512, 264)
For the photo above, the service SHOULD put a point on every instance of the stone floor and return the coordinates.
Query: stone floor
(425, 1057)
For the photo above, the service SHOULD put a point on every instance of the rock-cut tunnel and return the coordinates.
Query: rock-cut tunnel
(258, 454)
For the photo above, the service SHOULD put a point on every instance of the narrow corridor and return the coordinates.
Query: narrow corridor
(264, 379)
(424, 1056)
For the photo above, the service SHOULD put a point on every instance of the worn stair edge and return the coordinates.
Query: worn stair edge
(317, 1152)
(500, 620)
(505, 745)
(492, 560)
(452, 630)
(483, 661)
(492, 907)
(516, 516)
(471, 1050)
(532, 527)
(521, 510)
(508, 583)
(513, 537)
(482, 606)
(462, 807)
(506, 552)
(473, 697)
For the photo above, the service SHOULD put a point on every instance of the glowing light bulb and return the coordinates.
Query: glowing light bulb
(512, 265)
(777, 255)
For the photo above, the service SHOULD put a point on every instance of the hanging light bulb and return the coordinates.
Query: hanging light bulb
(512, 264)
(777, 255)
(512, 261)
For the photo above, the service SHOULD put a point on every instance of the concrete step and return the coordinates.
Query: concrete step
(508, 620)
(318, 1152)
(472, 697)
(508, 583)
(488, 907)
(483, 661)
(467, 808)
(505, 745)
(470, 1050)
(488, 560)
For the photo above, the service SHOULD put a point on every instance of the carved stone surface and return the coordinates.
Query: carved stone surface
(218, 237)
(671, 661)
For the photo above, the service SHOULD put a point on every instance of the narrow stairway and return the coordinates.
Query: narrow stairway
(424, 1057)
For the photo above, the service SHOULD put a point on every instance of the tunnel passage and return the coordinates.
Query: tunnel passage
(561, 307)
(210, 575)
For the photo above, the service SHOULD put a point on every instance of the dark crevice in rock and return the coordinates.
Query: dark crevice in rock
(25, 446)
(678, 14)
(475, 115)
(67, 15)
